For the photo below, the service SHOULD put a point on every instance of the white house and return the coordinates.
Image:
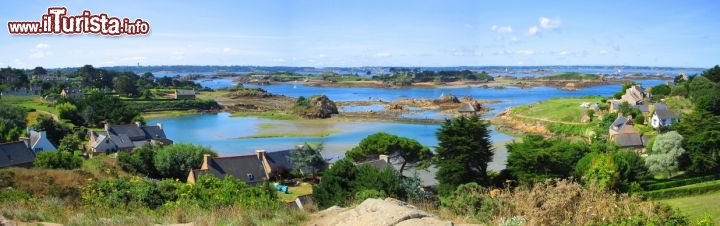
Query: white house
(663, 117)
(38, 141)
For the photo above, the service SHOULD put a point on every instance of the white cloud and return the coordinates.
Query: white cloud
(502, 29)
(564, 53)
(603, 52)
(533, 30)
(227, 50)
(547, 23)
(525, 52)
(40, 51)
(322, 55)
(383, 54)
(279, 60)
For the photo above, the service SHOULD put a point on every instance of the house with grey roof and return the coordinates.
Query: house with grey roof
(381, 163)
(635, 95)
(248, 168)
(623, 133)
(16, 154)
(663, 117)
(126, 137)
(183, 94)
(252, 168)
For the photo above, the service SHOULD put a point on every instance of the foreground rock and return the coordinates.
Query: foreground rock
(376, 212)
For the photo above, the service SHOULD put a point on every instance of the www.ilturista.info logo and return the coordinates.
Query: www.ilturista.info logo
(56, 22)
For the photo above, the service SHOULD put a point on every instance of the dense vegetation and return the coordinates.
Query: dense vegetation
(12, 122)
(171, 161)
(407, 76)
(406, 151)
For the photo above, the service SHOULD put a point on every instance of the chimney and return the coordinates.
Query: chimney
(384, 158)
(107, 127)
(138, 124)
(206, 158)
(159, 125)
(260, 154)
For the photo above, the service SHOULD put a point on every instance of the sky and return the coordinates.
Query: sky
(326, 33)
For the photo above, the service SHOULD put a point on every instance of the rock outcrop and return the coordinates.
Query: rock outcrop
(376, 212)
(318, 106)
(447, 99)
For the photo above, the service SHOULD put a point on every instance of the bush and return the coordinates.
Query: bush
(682, 182)
(57, 160)
(682, 191)
(9, 195)
(369, 193)
(471, 200)
(175, 161)
(345, 180)
(158, 105)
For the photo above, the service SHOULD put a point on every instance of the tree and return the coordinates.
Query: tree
(69, 144)
(141, 161)
(345, 180)
(398, 149)
(12, 122)
(39, 71)
(99, 107)
(660, 90)
(616, 170)
(306, 157)
(176, 160)
(537, 159)
(463, 153)
(68, 111)
(54, 130)
(335, 186)
(89, 76)
(713, 74)
(701, 131)
(667, 147)
(125, 85)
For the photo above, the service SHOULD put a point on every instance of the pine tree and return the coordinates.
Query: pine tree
(463, 153)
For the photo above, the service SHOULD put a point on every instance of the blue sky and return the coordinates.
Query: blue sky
(379, 33)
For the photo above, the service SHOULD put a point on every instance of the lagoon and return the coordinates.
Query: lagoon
(232, 135)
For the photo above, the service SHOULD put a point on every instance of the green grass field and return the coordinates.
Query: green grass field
(32, 102)
(556, 110)
(295, 191)
(699, 206)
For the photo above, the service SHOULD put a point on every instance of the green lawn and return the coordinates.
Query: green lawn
(679, 104)
(32, 102)
(698, 206)
(556, 110)
(295, 191)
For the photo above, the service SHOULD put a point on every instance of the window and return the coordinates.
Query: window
(250, 176)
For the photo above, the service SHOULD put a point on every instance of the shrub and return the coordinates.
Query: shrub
(57, 160)
(8, 195)
(369, 193)
(682, 182)
(471, 200)
(682, 191)
(175, 161)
